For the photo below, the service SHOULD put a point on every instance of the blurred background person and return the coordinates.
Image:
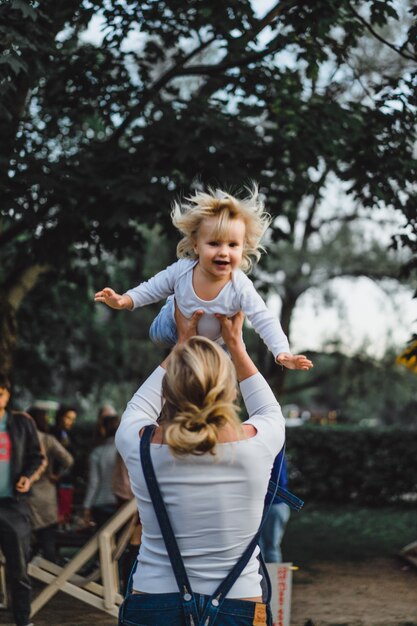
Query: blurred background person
(106, 410)
(100, 503)
(43, 498)
(64, 421)
(120, 482)
(276, 521)
(21, 464)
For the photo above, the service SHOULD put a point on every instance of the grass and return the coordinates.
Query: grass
(347, 533)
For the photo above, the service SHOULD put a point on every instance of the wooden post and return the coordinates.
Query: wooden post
(409, 553)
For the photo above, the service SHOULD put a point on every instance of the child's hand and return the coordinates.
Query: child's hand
(113, 299)
(294, 361)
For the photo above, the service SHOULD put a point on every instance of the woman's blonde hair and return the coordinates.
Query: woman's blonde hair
(199, 389)
(187, 217)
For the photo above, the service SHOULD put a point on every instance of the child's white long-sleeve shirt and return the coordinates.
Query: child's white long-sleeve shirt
(238, 294)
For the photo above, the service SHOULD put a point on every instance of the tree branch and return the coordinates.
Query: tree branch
(308, 225)
(147, 94)
(346, 219)
(380, 38)
(26, 281)
(209, 70)
(22, 225)
(272, 14)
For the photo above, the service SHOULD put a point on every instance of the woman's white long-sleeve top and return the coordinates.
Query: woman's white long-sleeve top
(215, 503)
(239, 294)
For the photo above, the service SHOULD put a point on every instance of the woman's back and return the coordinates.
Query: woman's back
(214, 502)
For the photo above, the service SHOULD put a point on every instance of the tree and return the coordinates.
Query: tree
(95, 139)
(312, 258)
(363, 390)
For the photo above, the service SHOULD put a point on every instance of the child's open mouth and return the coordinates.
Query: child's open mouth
(222, 263)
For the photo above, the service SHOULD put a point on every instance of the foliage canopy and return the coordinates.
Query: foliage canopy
(96, 138)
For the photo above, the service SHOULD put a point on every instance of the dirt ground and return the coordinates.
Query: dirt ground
(380, 592)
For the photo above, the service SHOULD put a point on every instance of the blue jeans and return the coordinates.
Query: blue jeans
(165, 609)
(163, 330)
(273, 531)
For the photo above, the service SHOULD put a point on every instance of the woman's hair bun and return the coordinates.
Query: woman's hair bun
(199, 389)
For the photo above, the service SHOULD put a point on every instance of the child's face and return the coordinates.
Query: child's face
(219, 256)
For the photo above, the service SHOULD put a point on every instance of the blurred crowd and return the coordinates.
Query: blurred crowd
(53, 498)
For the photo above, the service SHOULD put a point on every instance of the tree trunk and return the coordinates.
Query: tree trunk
(10, 301)
(8, 334)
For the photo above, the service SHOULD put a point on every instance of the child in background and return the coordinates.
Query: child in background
(221, 238)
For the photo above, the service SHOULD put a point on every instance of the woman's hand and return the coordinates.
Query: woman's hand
(232, 335)
(186, 328)
(232, 329)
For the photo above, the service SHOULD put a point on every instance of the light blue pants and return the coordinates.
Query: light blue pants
(163, 330)
(273, 531)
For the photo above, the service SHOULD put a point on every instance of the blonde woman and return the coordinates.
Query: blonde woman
(221, 238)
(212, 472)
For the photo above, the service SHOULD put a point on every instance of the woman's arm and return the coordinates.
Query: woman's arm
(59, 454)
(92, 482)
(232, 335)
(263, 409)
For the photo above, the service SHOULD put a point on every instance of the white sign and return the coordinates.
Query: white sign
(281, 583)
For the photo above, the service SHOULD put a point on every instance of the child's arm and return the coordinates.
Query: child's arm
(155, 289)
(269, 329)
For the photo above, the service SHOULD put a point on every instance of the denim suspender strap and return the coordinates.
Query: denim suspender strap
(216, 600)
(275, 488)
(289, 498)
(188, 600)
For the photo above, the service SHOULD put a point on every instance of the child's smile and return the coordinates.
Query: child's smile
(219, 253)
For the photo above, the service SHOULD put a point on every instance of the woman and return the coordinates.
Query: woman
(64, 421)
(213, 473)
(43, 497)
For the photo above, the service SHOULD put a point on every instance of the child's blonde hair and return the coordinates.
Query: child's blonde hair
(187, 217)
(199, 389)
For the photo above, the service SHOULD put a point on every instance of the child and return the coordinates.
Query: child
(221, 236)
